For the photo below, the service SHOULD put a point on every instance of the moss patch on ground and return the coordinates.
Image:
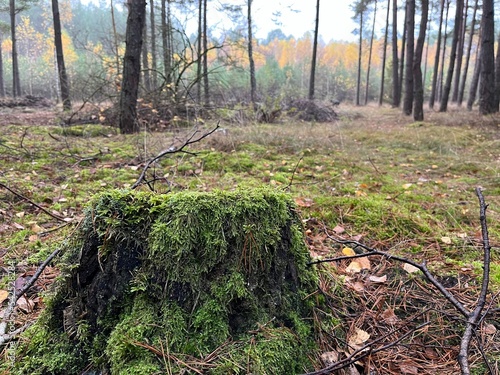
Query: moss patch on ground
(167, 283)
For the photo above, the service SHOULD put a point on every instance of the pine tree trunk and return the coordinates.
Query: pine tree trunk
(16, 81)
(131, 66)
(61, 69)
(395, 58)
(145, 59)
(360, 50)
(206, 88)
(418, 110)
(441, 72)
(402, 59)
(460, 55)
(467, 58)
(453, 55)
(370, 55)
(475, 76)
(2, 83)
(497, 74)
(154, 61)
(384, 54)
(487, 83)
(424, 80)
(435, 73)
(199, 54)
(167, 68)
(115, 41)
(410, 40)
(315, 49)
(253, 83)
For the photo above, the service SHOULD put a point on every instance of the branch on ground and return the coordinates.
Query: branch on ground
(194, 137)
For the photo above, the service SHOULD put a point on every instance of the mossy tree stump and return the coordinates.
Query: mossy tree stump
(210, 282)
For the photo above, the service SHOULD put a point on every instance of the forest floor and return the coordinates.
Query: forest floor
(373, 176)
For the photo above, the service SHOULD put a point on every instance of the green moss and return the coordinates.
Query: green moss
(202, 272)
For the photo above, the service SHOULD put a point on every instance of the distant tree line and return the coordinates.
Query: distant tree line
(67, 49)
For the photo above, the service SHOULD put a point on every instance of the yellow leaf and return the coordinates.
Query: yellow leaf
(446, 240)
(407, 186)
(347, 251)
(3, 295)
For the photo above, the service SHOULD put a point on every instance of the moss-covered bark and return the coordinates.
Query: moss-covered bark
(155, 282)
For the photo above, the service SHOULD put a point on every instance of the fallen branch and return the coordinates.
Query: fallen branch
(475, 316)
(173, 150)
(57, 217)
(14, 297)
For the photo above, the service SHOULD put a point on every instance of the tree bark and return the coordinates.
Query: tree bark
(314, 52)
(154, 61)
(2, 83)
(467, 58)
(395, 58)
(370, 54)
(165, 24)
(427, 46)
(418, 110)
(131, 66)
(61, 68)
(453, 55)
(198, 47)
(253, 83)
(145, 58)
(441, 72)
(487, 84)
(115, 40)
(410, 40)
(497, 74)
(460, 55)
(16, 81)
(360, 50)
(402, 59)
(384, 54)
(206, 88)
(435, 73)
(477, 72)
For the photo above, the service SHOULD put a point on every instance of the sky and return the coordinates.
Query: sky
(335, 22)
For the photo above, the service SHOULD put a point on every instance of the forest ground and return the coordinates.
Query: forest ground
(373, 176)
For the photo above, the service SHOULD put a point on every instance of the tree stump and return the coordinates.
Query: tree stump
(185, 283)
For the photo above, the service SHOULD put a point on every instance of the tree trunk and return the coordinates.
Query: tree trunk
(253, 83)
(2, 83)
(370, 54)
(16, 81)
(460, 55)
(441, 72)
(436, 58)
(61, 69)
(384, 54)
(477, 72)
(145, 59)
(453, 55)
(402, 59)
(410, 40)
(115, 41)
(497, 74)
(487, 84)
(360, 50)
(315, 49)
(198, 47)
(418, 110)
(395, 59)
(131, 66)
(165, 24)
(206, 88)
(467, 58)
(154, 62)
(424, 80)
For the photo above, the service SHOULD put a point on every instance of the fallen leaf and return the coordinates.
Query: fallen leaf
(409, 268)
(20, 214)
(389, 317)
(378, 279)
(18, 226)
(358, 338)
(489, 329)
(3, 295)
(62, 199)
(338, 229)
(33, 238)
(36, 228)
(26, 305)
(354, 267)
(358, 286)
(408, 368)
(303, 202)
(365, 263)
(446, 240)
(329, 358)
(407, 186)
(347, 251)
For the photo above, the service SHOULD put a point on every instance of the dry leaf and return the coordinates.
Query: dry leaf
(303, 202)
(408, 368)
(389, 317)
(409, 268)
(365, 263)
(329, 358)
(26, 305)
(378, 279)
(36, 228)
(354, 267)
(489, 329)
(18, 226)
(446, 240)
(407, 186)
(358, 286)
(3, 295)
(358, 338)
(347, 251)
(20, 214)
(338, 229)
(33, 238)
